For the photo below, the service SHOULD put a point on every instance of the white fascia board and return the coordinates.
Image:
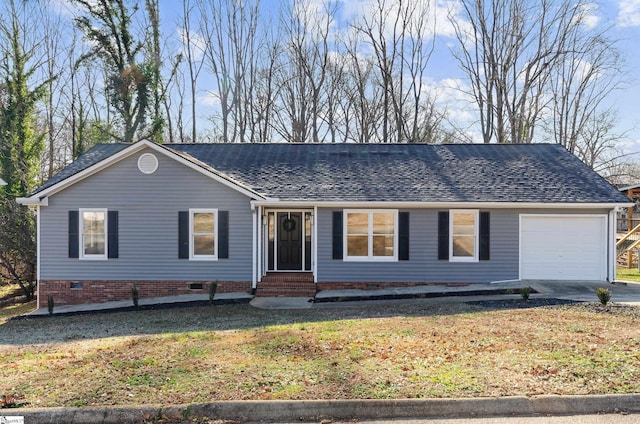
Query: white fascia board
(128, 151)
(32, 201)
(448, 205)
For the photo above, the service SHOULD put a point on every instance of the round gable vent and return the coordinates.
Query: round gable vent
(148, 163)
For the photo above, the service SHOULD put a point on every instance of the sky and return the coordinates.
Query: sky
(622, 17)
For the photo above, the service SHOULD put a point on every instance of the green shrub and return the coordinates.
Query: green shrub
(604, 295)
(212, 291)
(525, 292)
(50, 304)
(134, 295)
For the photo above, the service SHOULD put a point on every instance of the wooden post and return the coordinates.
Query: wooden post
(630, 195)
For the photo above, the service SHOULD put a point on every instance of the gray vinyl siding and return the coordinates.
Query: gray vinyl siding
(423, 264)
(148, 207)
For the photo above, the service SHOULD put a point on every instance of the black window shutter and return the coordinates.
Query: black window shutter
(443, 235)
(403, 236)
(112, 234)
(183, 235)
(337, 235)
(223, 234)
(74, 237)
(484, 236)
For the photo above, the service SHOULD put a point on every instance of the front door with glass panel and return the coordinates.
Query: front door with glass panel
(289, 241)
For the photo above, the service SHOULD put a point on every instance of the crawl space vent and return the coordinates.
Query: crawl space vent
(147, 163)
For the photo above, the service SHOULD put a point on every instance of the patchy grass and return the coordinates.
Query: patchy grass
(628, 274)
(229, 352)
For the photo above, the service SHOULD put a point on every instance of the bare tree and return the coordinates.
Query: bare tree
(229, 28)
(52, 26)
(401, 36)
(508, 51)
(598, 142)
(264, 102)
(362, 108)
(154, 62)
(304, 69)
(581, 83)
(193, 51)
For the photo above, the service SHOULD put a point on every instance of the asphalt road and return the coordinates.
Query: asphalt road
(570, 419)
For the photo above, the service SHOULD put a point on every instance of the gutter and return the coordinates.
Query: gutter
(405, 204)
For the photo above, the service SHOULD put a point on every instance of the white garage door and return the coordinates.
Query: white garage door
(563, 247)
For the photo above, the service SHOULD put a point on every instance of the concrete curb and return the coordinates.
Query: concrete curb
(315, 410)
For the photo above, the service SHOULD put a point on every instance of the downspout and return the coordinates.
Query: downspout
(253, 250)
(259, 242)
(611, 246)
(38, 257)
(314, 245)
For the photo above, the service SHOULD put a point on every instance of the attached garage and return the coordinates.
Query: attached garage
(563, 247)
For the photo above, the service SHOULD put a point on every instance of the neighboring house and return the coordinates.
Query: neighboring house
(173, 218)
(2, 183)
(629, 217)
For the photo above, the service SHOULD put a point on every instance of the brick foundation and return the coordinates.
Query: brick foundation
(106, 291)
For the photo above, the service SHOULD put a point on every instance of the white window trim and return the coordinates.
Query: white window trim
(192, 255)
(476, 235)
(82, 255)
(369, 257)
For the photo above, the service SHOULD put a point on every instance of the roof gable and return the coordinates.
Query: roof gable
(102, 156)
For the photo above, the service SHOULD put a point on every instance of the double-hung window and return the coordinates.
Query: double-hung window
(371, 235)
(203, 234)
(93, 231)
(463, 236)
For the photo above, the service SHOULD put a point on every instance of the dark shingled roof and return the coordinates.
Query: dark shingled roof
(545, 173)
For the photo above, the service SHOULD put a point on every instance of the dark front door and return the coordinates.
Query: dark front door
(290, 241)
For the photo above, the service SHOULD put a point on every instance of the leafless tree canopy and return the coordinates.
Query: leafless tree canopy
(307, 71)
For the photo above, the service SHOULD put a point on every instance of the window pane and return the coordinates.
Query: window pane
(464, 246)
(93, 222)
(203, 222)
(382, 245)
(203, 245)
(307, 225)
(357, 246)
(464, 224)
(357, 223)
(93, 244)
(272, 231)
(383, 223)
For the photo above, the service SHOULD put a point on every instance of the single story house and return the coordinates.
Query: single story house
(170, 219)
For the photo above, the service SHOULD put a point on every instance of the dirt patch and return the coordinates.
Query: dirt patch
(521, 304)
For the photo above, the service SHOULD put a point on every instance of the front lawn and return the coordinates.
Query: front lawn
(208, 353)
(628, 274)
